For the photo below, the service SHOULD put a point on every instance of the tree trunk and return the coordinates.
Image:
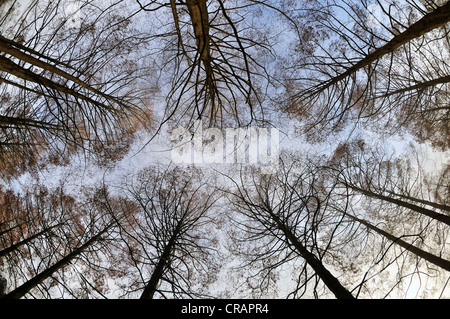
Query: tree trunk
(198, 12)
(13, 247)
(22, 290)
(420, 86)
(158, 272)
(199, 17)
(429, 22)
(10, 47)
(424, 211)
(329, 280)
(422, 201)
(8, 121)
(436, 260)
(12, 68)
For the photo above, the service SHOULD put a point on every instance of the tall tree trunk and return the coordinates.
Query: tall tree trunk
(13, 247)
(12, 68)
(22, 290)
(424, 211)
(177, 27)
(422, 201)
(152, 284)
(329, 280)
(8, 121)
(436, 260)
(427, 23)
(10, 47)
(419, 86)
(198, 12)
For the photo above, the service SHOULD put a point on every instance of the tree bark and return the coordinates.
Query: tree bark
(198, 12)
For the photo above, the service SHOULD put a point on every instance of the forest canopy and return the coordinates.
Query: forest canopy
(312, 141)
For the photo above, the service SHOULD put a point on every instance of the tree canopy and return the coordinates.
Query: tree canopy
(347, 101)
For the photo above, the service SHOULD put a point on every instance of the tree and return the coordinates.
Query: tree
(436, 260)
(65, 87)
(61, 236)
(25, 288)
(215, 60)
(386, 195)
(395, 181)
(95, 76)
(287, 217)
(168, 242)
(382, 75)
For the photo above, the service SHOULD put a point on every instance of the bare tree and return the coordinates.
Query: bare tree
(394, 180)
(387, 196)
(47, 273)
(286, 215)
(216, 59)
(168, 242)
(65, 87)
(382, 73)
(61, 236)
